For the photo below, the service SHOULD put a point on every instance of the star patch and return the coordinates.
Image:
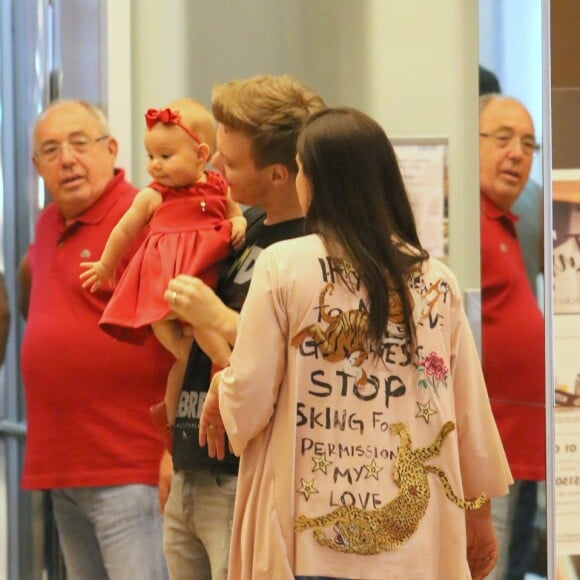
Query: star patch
(307, 488)
(372, 470)
(425, 410)
(320, 463)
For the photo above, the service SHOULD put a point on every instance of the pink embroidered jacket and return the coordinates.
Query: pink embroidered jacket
(353, 464)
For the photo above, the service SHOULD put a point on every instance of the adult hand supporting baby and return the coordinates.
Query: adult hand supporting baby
(195, 302)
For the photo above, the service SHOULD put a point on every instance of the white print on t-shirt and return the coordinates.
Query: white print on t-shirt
(247, 258)
(190, 404)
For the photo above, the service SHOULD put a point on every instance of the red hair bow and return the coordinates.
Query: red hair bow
(167, 117)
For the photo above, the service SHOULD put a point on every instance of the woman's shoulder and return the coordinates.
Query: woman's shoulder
(437, 267)
(294, 257)
(297, 248)
(433, 272)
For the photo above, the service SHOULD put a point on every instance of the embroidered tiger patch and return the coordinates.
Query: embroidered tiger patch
(345, 337)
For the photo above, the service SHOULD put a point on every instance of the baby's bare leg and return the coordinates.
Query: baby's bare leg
(170, 334)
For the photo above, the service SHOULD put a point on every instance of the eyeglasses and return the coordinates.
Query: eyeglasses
(79, 144)
(503, 139)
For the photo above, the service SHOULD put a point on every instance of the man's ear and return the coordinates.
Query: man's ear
(113, 146)
(279, 174)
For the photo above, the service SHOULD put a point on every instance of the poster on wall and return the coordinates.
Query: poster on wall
(567, 468)
(566, 215)
(423, 163)
(566, 255)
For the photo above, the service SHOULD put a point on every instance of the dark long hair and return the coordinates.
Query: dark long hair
(360, 204)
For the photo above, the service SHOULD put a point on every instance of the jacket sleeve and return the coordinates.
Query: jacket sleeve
(484, 467)
(249, 386)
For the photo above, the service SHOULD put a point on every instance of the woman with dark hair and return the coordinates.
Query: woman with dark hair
(354, 394)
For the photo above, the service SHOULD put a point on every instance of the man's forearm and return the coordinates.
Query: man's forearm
(226, 324)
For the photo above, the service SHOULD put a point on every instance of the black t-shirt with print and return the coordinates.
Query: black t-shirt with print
(232, 289)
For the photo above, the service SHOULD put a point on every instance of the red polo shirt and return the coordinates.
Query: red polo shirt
(87, 395)
(512, 344)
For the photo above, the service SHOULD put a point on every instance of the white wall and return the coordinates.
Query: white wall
(510, 45)
(411, 64)
(118, 78)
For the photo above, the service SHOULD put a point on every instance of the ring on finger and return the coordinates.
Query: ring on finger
(173, 297)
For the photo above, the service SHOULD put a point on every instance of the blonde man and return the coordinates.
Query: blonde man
(259, 121)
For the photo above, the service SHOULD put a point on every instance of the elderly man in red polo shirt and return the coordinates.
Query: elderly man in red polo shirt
(512, 323)
(89, 439)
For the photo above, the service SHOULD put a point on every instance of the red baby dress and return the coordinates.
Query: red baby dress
(187, 234)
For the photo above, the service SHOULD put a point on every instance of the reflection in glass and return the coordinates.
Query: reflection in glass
(512, 65)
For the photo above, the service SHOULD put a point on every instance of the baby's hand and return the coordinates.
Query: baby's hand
(239, 225)
(94, 275)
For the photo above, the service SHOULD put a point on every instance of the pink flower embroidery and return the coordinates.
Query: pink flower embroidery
(436, 373)
(435, 367)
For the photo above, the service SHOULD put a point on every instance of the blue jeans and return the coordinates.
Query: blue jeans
(198, 525)
(110, 533)
(513, 519)
(522, 544)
